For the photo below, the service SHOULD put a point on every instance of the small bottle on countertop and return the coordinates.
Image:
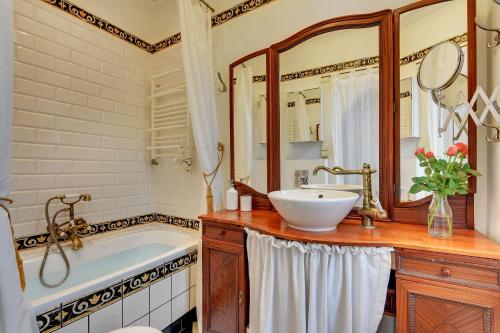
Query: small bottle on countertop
(231, 198)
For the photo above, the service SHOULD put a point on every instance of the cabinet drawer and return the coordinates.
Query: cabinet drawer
(223, 234)
(450, 271)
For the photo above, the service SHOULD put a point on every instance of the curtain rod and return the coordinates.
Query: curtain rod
(208, 5)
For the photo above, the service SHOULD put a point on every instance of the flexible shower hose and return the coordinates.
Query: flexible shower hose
(53, 238)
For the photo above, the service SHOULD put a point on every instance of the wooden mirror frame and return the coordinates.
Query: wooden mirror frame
(259, 200)
(382, 19)
(462, 205)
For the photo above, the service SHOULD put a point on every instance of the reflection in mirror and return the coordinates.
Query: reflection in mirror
(426, 99)
(329, 107)
(249, 112)
(304, 115)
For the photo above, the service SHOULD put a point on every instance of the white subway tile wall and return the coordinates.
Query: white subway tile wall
(177, 192)
(80, 114)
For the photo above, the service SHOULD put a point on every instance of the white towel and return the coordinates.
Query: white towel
(16, 314)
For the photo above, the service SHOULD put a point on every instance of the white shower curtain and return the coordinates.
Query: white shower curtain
(16, 314)
(302, 123)
(196, 32)
(261, 119)
(314, 288)
(243, 117)
(355, 123)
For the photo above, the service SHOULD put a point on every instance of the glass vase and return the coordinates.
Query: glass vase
(440, 218)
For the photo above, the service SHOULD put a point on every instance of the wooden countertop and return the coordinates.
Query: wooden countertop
(349, 232)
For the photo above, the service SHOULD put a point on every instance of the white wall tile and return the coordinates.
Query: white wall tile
(53, 49)
(79, 326)
(72, 114)
(161, 317)
(144, 321)
(180, 282)
(161, 292)
(180, 305)
(25, 24)
(135, 306)
(33, 88)
(107, 319)
(71, 69)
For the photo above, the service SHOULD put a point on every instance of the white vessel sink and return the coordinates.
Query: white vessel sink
(313, 210)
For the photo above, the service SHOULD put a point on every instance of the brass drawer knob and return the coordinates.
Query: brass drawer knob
(222, 233)
(445, 271)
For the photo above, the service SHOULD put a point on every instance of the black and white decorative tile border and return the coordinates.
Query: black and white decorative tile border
(178, 221)
(238, 10)
(71, 311)
(102, 24)
(34, 241)
(259, 78)
(405, 94)
(172, 40)
(419, 55)
(308, 101)
(368, 61)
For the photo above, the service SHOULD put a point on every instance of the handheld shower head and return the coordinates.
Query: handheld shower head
(77, 196)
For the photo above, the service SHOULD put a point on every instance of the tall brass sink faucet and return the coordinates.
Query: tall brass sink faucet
(368, 212)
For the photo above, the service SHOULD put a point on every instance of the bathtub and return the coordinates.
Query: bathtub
(109, 268)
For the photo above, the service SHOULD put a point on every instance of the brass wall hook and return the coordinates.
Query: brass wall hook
(496, 32)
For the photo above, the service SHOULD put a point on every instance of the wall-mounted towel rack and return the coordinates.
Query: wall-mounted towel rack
(170, 130)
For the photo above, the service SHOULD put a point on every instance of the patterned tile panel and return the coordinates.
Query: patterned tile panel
(178, 221)
(142, 280)
(49, 321)
(33, 241)
(84, 306)
(71, 311)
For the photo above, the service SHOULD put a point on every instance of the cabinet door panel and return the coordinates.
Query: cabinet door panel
(425, 308)
(221, 287)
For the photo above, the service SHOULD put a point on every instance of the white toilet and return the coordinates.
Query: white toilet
(136, 329)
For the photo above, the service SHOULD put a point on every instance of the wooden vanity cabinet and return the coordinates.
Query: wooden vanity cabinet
(224, 279)
(446, 293)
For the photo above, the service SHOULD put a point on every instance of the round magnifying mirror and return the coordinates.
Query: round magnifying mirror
(440, 66)
(449, 97)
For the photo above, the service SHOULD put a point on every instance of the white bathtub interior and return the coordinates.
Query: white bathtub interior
(103, 260)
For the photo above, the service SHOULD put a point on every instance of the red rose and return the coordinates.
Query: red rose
(429, 154)
(462, 147)
(452, 150)
(419, 151)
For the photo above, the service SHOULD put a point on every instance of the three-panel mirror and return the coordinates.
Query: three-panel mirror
(326, 96)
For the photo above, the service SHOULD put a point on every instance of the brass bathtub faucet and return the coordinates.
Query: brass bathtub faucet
(73, 227)
(368, 212)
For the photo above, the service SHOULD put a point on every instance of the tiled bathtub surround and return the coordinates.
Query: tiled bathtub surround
(79, 119)
(33, 241)
(156, 297)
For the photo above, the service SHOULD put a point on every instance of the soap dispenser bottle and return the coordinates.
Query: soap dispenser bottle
(231, 197)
